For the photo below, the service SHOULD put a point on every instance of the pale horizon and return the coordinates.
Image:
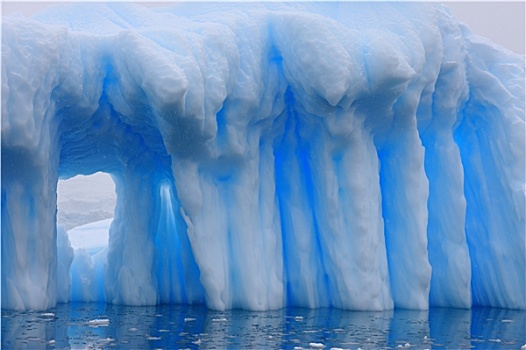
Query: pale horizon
(501, 22)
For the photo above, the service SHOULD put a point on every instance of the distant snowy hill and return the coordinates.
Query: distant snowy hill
(93, 236)
(85, 199)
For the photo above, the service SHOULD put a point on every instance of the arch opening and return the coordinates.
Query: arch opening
(85, 211)
(85, 199)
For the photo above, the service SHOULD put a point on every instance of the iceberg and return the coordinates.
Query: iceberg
(362, 156)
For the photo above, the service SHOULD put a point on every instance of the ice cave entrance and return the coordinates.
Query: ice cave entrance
(86, 206)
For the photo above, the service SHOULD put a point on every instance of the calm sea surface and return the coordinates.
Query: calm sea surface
(94, 326)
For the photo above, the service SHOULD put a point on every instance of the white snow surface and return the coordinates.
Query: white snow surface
(355, 155)
(93, 236)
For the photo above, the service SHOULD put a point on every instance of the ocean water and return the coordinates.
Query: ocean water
(99, 326)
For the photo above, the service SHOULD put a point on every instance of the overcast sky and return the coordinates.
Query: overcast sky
(502, 22)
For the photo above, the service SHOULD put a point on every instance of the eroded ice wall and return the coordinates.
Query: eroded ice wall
(362, 156)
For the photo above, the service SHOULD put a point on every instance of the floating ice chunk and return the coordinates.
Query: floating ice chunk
(102, 322)
(316, 345)
(47, 314)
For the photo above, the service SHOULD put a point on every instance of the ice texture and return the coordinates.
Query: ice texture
(354, 155)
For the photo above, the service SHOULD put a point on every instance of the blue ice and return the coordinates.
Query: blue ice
(362, 156)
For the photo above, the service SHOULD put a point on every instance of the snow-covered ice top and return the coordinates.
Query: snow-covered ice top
(355, 155)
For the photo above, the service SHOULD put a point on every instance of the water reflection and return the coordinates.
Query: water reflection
(170, 327)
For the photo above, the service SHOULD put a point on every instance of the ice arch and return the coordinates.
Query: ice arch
(357, 156)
